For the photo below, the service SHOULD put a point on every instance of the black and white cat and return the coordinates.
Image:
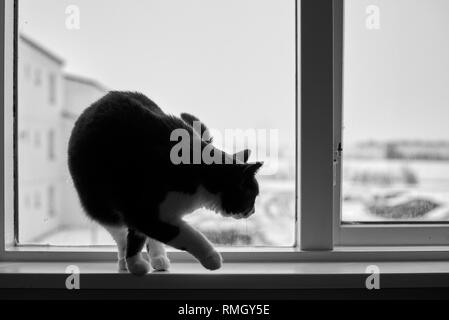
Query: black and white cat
(119, 159)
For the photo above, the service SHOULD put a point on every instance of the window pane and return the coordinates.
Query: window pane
(52, 88)
(229, 62)
(396, 111)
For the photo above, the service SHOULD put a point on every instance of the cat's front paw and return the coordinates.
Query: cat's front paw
(160, 263)
(137, 265)
(213, 261)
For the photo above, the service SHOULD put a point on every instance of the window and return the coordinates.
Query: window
(37, 77)
(396, 156)
(37, 200)
(37, 139)
(213, 59)
(23, 135)
(52, 87)
(51, 145)
(307, 68)
(51, 201)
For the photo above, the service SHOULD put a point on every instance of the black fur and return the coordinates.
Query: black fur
(119, 159)
(135, 243)
(204, 132)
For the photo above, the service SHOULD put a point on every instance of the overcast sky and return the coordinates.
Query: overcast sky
(231, 62)
(397, 78)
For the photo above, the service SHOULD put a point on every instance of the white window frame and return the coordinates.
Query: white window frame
(10, 249)
(367, 234)
(319, 87)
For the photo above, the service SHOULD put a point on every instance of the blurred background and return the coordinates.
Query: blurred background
(396, 111)
(229, 62)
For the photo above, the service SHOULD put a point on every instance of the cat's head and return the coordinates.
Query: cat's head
(240, 190)
(234, 180)
(235, 185)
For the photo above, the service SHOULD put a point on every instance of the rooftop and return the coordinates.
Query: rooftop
(41, 49)
(84, 80)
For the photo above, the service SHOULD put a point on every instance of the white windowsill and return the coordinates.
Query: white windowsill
(287, 275)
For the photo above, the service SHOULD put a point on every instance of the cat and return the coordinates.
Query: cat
(119, 160)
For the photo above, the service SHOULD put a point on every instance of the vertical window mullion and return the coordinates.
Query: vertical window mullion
(317, 125)
(2, 118)
(338, 114)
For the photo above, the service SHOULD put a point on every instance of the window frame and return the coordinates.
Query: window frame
(10, 249)
(319, 93)
(369, 234)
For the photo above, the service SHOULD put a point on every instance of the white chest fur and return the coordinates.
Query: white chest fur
(178, 204)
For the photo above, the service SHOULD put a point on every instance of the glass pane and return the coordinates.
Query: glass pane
(396, 111)
(229, 62)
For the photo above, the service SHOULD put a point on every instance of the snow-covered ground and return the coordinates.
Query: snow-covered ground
(409, 190)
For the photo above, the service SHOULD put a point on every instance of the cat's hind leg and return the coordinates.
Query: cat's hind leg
(136, 263)
(119, 234)
(158, 256)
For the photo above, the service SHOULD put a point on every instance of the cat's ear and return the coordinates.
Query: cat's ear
(198, 126)
(251, 169)
(242, 156)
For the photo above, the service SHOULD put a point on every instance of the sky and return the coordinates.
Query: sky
(397, 78)
(229, 62)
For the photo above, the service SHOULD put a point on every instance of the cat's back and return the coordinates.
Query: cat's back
(115, 117)
(115, 109)
(119, 128)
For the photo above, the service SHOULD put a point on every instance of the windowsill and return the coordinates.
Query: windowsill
(287, 275)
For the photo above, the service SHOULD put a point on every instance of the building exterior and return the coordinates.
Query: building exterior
(48, 104)
(40, 103)
(79, 94)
